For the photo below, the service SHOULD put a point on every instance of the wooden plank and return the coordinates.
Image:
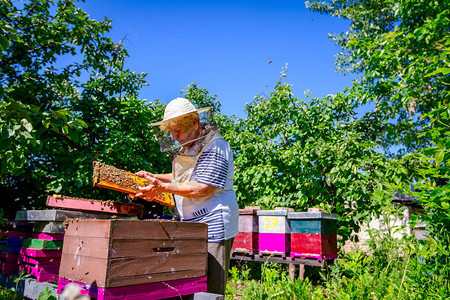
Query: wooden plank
(43, 261)
(9, 257)
(5, 234)
(9, 268)
(164, 263)
(301, 272)
(84, 269)
(42, 244)
(48, 227)
(94, 228)
(318, 226)
(56, 215)
(248, 223)
(86, 246)
(41, 275)
(40, 253)
(99, 247)
(143, 279)
(46, 268)
(12, 244)
(273, 224)
(274, 242)
(320, 246)
(249, 210)
(157, 290)
(159, 229)
(312, 216)
(291, 269)
(152, 247)
(82, 204)
(246, 241)
(47, 236)
(109, 177)
(91, 270)
(142, 229)
(278, 259)
(272, 213)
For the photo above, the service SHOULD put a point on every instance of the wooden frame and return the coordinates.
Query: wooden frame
(112, 178)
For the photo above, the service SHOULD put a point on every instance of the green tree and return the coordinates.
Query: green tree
(301, 154)
(67, 100)
(393, 45)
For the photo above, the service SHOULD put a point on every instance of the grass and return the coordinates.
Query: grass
(394, 269)
(6, 294)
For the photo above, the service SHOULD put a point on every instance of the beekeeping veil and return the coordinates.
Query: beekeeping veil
(176, 108)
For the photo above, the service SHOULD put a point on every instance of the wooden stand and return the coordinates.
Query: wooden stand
(301, 262)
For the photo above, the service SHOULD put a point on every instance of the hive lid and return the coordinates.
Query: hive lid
(249, 210)
(272, 212)
(312, 215)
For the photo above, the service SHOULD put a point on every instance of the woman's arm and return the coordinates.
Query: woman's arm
(189, 189)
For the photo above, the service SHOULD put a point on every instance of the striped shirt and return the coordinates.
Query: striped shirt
(215, 168)
(212, 167)
(216, 232)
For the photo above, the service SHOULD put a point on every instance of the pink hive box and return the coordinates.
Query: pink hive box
(274, 232)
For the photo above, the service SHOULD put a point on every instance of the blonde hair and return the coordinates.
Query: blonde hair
(183, 122)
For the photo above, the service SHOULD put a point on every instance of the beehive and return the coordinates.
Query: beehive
(247, 239)
(274, 232)
(115, 253)
(313, 234)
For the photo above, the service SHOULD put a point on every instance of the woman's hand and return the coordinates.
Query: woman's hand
(145, 174)
(150, 191)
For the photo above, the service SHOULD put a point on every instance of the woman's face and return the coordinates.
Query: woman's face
(184, 134)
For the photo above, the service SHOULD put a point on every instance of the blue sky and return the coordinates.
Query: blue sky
(225, 47)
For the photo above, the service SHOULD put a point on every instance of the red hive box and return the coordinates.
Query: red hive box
(313, 234)
(247, 239)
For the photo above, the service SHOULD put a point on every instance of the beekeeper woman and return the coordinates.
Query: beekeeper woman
(202, 182)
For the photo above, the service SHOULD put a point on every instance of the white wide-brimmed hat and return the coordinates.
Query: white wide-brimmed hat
(179, 107)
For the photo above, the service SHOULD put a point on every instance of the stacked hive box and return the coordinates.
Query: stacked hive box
(246, 241)
(139, 259)
(313, 234)
(10, 244)
(41, 252)
(274, 232)
(40, 255)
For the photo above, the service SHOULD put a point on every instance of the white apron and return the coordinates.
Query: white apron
(183, 166)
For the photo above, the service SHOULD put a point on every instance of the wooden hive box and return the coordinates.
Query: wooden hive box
(247, 239)
(313, 234)
(274, 232)
(115, 253)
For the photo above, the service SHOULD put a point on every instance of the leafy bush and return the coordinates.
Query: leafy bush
(394, 269)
